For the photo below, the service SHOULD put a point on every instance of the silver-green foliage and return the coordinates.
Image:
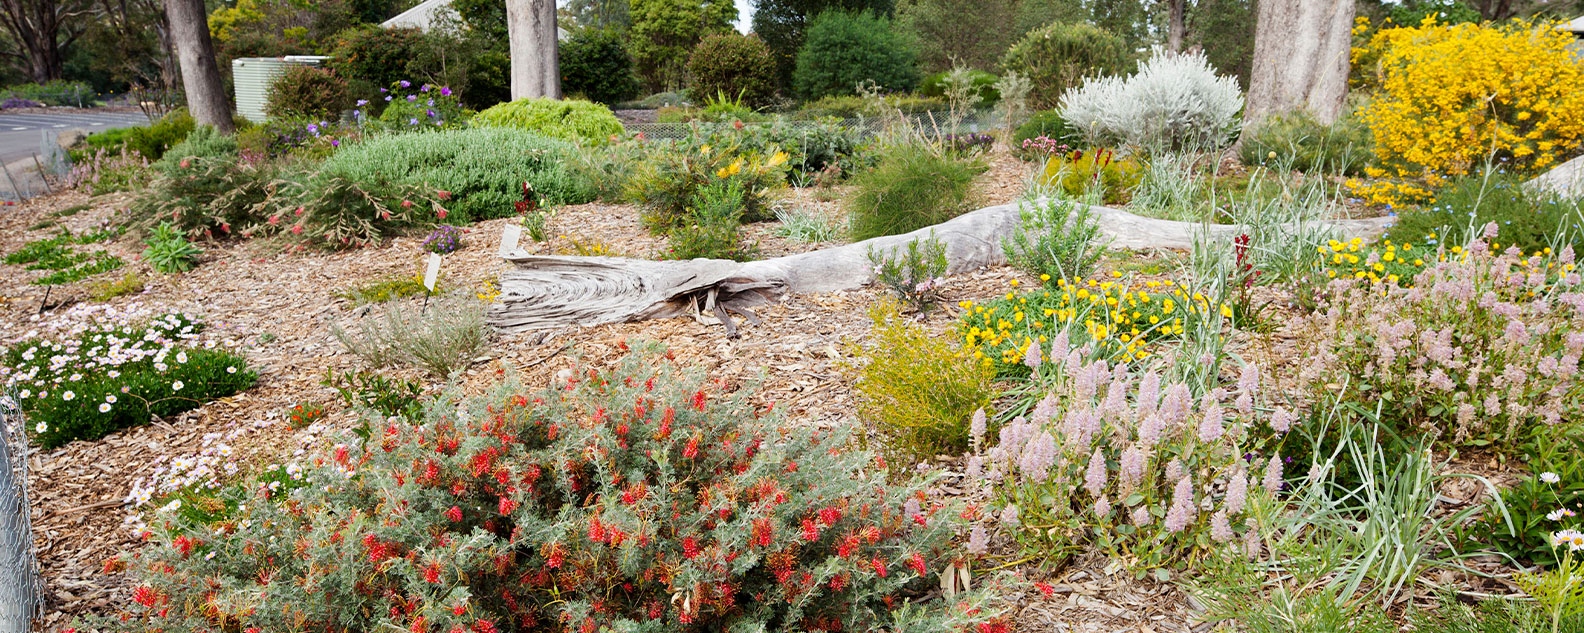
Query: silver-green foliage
(1175, 100)
(445, 337)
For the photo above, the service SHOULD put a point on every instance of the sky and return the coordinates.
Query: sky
(744, 16)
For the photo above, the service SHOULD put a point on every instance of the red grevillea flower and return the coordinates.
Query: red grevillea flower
(879, 565)
(406, 204)
(145, 596)
(763, 532)
(274, 220)
(1045, 588)
(917, 564)
(507, 505)
(810, 530)
(443, 194)
(698, 400)
(829, 516)
(431, 573)
(183, 545)
(690, 547)
(839, 582)
(691, 451)
(441, 214)
(297, 229)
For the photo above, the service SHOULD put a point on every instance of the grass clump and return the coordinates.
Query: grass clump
(440, 340)
(916, 390)
(912, 188)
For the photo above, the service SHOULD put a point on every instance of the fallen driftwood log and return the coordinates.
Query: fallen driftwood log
(541, 291)
(1565, 180)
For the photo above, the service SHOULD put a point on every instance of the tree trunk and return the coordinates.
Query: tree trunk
(541, 292)
(531, 31)
(1177, 29)
(206, 98)
(1301, 50)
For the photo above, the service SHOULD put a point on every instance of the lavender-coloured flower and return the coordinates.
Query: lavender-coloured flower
(1251, 543)
(1130, 472)
(404, 83)
(1009, 516)
(1220, 529)
(1140, 517)
(910, 507)
(445, 92)
(1031, 357)
(1237, 493)
(1273, 474)
(1281, 420)
(1150, 430)
(1249, 379)
(1182, 507)
(1211, 428)
(1102, 507)
(1174, 407)
(1059, 346)
(1147, 400)
(975, 468)
(976, 427)
(1095, 474)
(978, 541)
(1174, 469)
(1038, 457)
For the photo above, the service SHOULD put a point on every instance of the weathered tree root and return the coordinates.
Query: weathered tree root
(556, 291)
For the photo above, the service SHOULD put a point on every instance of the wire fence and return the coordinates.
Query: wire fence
(867, 126)
(21, 588)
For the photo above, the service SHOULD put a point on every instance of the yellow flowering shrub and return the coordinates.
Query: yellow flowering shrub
(1451, 96)
(1121, 320)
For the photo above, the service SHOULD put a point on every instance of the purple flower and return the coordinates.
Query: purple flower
(1031, 358)
(404, 83)
(976, 428)
(425, 88)
(384, 90)
(431, 103)
(412, 121)
(335, 142)
(362, 102)
(1038, 457)
(1131, 470)
(1102, 507)
(445, 92)
(1211, 428)
(431, 113)
(387, 97)
(978, 541)
(412, 98)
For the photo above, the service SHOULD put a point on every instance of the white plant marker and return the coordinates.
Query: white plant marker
(433, 272)
(510, 235)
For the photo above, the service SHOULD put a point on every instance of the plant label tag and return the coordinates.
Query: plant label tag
(510, 235)
(432, 272)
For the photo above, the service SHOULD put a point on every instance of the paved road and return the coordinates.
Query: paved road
(23, 135)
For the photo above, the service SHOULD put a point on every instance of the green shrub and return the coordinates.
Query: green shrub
(413, 106)
(843, 50)
(356, 196)
(1046, 123)
(623, 513)
(983, 83)
(710, 229)
(1298, 141)
(570, 119)
(145, 367)
(668, 182)
(307, 92)
(738, 66)
(1528, 219)
(374, 56)
(916, 389)
(1059, 56)
(390, 288)
(595, 65)
(440, 340)
(911, 188)
(203, 188)
(488, 78)
(149, 141)
(1056, 241)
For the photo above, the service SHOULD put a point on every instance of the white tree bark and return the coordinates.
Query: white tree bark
(531, 29)
(1301, 56)
(541, 292)
(206, 98)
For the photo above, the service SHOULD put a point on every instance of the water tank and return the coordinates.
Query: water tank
(252, 77)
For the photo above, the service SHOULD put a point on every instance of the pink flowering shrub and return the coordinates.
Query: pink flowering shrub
(631, 499)
(1483, 349)
(1133, 465)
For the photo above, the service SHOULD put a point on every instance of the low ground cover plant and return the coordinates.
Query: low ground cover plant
(1528, 219)
(63, 264)
(96, 370)
(623, 489)
(169, 251)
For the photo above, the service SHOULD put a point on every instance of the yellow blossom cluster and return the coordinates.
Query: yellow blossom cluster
(1121, 320)
(1398, 264)
(1451, 96)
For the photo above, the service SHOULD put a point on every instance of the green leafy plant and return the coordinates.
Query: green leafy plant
(440, 340)
(1055, 240)
(1560, 590)
(308, 92)
(733, 64)
(389, 288)
(1539, 504)
(204, 188)
(378, 393)
(1095, 176)
(569, 119)
(912, 187)
(915, 272)
(630, 514)
(804, 226)
(168, 251)
(147, 141)
(130, 283)
(842, 50)
(668, 183)
(420, 107)
(1526, 218)
(711, 228)
(145, 366)
(65, 265)
(1059, 56)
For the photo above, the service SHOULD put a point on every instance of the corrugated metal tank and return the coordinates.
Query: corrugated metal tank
(252, 77)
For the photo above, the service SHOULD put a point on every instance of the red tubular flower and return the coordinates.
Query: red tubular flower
(917, 564)
(1045, 588)
(507, 505)
(690, 547)
(698, 400)
(431, 573)
(810, 530)
(879, 565)
(691, 451)
(145, 596)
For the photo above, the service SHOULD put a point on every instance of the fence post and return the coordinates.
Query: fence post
(21, 589)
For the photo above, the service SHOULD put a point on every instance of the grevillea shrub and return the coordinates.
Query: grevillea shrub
(203, 187)
(1133, 465)
(1482, 349)
(97, 369)
(634, 499)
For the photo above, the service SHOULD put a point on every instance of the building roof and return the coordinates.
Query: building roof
(427, 13)
(1576, 26)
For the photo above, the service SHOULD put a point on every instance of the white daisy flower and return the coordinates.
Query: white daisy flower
(177, 386)
(68, 396)
(1549, 477)
(104, 407)
(42, 427)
